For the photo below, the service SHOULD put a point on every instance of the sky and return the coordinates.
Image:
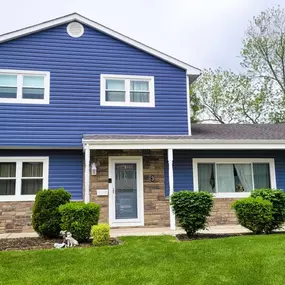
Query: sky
(203, 33)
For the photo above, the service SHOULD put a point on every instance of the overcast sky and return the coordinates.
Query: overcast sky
(204, 33)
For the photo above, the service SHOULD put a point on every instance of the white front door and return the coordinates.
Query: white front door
(126, 191)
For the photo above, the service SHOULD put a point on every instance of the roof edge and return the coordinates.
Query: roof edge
(191, 70)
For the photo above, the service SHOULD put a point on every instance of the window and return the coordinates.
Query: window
(233, 177)
(22, 178)
(135, 91)
(24, 86)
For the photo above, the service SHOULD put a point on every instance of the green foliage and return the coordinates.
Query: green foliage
(78, 218)
(46, 217)
(254, 214)
(192, 209)
(100, 234)
(277, 198)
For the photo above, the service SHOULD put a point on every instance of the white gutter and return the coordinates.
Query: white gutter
(184, 144)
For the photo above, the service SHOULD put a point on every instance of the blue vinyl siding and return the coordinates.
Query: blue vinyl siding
(75, 65)
(183, 170)
(65, 168)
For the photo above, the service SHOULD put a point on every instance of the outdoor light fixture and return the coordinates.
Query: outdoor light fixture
(93, 169)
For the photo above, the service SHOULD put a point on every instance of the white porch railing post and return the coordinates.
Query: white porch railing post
(87, 174)
(171, 186)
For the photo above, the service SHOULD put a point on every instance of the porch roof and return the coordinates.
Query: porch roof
(204, 136)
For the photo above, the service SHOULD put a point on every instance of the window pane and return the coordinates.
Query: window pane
(8, 92)
(243, 178)
(115, 96)
(33, 93)
(261, 175)
(139, 86)
(7, 186)
(31, 186)
(8, 80)
(34, 81)
(225, 178)
(139, 97)
(206, 177)
(118, 85)
(32, 169)
(7, 169)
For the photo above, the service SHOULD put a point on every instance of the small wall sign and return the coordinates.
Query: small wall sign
(152, 178)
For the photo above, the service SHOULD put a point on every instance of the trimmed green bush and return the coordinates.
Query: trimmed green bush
(100, 234)
(46, 217)
(78, 218)
(277, 198)
(192, 209)
(254, 214)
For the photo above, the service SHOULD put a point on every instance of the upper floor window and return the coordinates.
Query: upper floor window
(124, 90)
(21, 86)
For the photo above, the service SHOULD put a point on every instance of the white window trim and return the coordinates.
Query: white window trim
(20, 74)
(270, 161)
(127, 79)
(19, 163)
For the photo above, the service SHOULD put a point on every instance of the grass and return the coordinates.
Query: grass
(153, 260)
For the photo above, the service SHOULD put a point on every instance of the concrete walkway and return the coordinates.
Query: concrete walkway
(226, 229)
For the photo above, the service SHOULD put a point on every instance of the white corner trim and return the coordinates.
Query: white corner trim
(191, 70)
(19, 161)
(127, 79)
(20, 74)
(270, 161)
(188, 105)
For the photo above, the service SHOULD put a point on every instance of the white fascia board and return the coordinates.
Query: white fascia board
(190, 70)
(185, 144)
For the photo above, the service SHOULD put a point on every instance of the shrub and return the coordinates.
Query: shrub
(46, 217)
(254, 214)
(100, 234)
(277, 198)
(192, 209)
(78, 218)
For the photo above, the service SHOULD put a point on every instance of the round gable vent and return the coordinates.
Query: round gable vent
(75, 29)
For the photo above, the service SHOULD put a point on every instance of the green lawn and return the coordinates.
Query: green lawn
(153, 260)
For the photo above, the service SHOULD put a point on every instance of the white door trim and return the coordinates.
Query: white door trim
(140, 197)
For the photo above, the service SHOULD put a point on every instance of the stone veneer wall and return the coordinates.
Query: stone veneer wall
(222, 214)
(156, 206)
(15, 217)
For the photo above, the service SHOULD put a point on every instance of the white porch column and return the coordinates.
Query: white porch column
(171, 186)
(87, 174)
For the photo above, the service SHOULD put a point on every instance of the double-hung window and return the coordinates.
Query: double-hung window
(24, 86)
(22, 177)
(233, 177)
(134, 91)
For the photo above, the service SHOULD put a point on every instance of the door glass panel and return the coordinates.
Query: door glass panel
(126, 190)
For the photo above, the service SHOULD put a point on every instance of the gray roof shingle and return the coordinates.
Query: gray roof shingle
(211, 132)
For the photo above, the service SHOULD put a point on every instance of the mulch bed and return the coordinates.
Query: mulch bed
(39, 243)
(184, 237)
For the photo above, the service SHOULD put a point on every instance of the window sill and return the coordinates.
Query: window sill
(232, 195)
(13, 198)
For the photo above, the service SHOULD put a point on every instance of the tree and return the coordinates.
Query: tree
(257, 95)
(225, 97)
(263, 56)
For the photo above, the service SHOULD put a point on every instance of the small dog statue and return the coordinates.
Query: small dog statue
(70, 241)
